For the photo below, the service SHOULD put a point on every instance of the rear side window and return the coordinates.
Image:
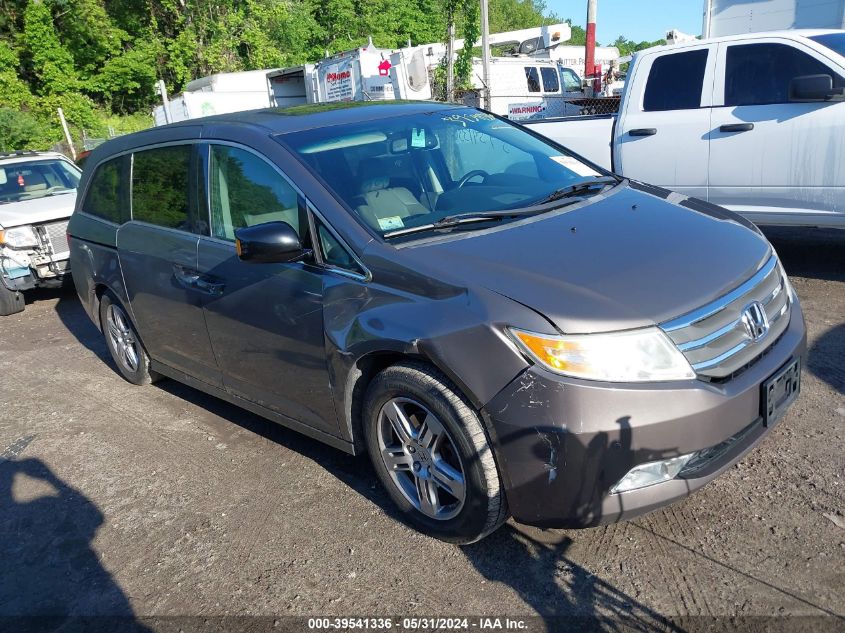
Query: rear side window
(550, 80)
(104, 193)
(532, 78)
(246, 190)
(757, 74)
(675, 81)
(160, 186)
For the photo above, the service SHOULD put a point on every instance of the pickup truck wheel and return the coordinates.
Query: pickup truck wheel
(11, 301)
(125, 347)
(430, 450)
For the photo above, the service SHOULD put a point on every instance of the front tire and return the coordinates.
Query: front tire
(11, 301)
(431, 453)
(125, 347)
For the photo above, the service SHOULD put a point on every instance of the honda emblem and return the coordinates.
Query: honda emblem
(755, 321)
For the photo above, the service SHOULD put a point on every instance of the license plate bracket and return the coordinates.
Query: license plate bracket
(779, 391)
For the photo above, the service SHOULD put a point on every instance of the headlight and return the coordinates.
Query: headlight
(644, 355)
(19, 237)
(789, 288)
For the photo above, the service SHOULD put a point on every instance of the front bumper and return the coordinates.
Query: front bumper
(563, 443)
(36, 270)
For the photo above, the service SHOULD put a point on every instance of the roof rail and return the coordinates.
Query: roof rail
(20, 152)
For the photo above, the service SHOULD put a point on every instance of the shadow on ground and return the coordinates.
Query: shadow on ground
(76, 320)
(814, 253)
(826, 358)
(534, 563)
(818, 254)
(50, 575)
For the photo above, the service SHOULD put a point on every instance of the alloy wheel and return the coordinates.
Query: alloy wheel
(122, 338)
(421, 458)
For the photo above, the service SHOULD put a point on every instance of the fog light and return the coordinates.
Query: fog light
(651, 473)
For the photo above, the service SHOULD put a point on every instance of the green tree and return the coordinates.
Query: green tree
(510, 15)
(50, 63)
(628, 47)
(21, 130)
(14, 92)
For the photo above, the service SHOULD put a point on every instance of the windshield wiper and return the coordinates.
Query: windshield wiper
(455, 220)
(579, 187)
(451, 221)
(536, 208)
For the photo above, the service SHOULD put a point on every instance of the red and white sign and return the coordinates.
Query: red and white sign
(337, 81)
(518, 111)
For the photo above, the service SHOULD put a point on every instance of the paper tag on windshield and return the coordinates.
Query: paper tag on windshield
(388, 224)
(417, 137)
(575, 165)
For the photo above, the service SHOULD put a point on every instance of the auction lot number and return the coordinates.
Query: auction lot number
(388, 623)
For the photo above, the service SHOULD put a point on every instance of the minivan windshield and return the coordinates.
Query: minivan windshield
(431, 170)
(28, 180)
(833, 41)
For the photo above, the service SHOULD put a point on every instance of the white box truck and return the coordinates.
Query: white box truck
(734, 17)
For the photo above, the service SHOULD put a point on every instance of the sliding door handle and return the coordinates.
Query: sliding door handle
(737, 127)
(643, 131)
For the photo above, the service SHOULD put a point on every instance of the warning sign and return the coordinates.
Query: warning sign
(517, 111)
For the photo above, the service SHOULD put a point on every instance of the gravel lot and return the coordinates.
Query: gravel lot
(162, 501)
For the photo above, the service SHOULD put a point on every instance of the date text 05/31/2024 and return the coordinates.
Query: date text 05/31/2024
(419, 624)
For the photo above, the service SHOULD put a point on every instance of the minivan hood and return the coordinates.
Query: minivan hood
(623, 260)
(37, 210)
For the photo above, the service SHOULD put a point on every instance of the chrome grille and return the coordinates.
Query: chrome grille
(714, 338)
(57, 236)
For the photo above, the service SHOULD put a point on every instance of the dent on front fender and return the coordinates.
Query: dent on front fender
(459, 331)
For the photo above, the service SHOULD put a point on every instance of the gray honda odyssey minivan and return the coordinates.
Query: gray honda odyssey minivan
(506, 329)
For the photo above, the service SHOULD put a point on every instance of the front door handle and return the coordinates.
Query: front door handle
(192, 279)
(185, 276)
(737, 127)
(643, 131)
(209, 287)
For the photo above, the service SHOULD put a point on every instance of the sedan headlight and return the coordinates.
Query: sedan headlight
(19, 237)
(644, 355)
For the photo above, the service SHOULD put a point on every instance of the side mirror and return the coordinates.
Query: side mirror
(813, 88)
(269, 243)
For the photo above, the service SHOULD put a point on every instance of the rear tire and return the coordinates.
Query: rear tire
(125, 347)
(431, 453)
(11, 301)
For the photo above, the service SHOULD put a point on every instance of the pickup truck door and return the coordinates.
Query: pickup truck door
(661, 136)
(776, 161)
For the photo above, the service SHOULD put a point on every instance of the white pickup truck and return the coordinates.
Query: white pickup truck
(754, 123)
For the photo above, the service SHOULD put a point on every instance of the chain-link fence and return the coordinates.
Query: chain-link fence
(521, 107)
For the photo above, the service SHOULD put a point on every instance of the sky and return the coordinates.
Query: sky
(638, 20)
